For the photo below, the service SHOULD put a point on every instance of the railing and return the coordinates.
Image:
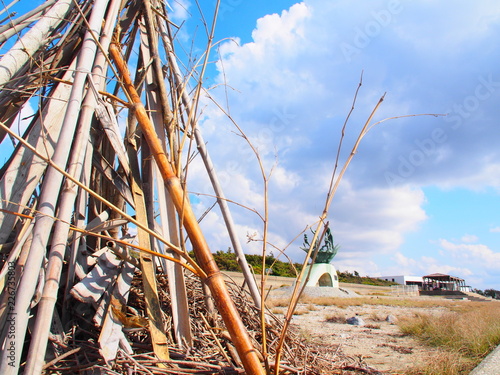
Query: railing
(404, 290)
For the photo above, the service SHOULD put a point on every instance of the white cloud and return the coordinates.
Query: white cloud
(469, 238)
(178, 9)
(426, 265)
(376, 219)
(475, 20)
(291, 88)
(284, 180)
(486, 174)
(404, 261)
(480, 255)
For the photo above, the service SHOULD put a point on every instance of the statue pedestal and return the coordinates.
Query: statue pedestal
(322, 274)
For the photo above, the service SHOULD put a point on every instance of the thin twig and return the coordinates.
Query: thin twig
(60, 358)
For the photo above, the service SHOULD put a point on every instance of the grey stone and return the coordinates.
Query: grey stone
(355, 321)
(391, 319)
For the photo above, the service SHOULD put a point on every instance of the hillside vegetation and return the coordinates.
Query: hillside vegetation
(226, 260)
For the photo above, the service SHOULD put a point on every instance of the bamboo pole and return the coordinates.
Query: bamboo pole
(80, 217)
(24, 170)
(214, 179)
(8, 279)
(214, 278)
(48, 199)
(156, 325)
(40, 334)
(18, 270)
(152, 35)
(176, 281)
(37, 37)
(192, 265)
(14, 27)
(26, 16)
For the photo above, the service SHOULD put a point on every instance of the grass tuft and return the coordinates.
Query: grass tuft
(335, 318)
(466, 335)
(444, 363)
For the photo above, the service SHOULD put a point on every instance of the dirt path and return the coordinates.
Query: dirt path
(379, 343)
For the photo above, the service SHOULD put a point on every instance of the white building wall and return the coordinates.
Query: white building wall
(402, 279)
(396, 279)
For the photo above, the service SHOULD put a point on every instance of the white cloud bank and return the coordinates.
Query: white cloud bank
(293, 86)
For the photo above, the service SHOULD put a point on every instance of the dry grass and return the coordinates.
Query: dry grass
(464, 335)
(376, 300)
(301, 311)
(277, 310)
(375, 317)
(335, 318)
(444, 363)
(277, 302)
(313, 307)
(462, 332)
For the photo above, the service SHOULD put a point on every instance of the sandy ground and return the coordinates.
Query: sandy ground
(379, 343)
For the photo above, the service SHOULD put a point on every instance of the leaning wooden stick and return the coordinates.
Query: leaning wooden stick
(214, 279)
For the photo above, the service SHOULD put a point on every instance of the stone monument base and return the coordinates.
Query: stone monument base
(322, 275)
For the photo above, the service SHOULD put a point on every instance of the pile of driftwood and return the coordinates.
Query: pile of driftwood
(96, 226)
(211, 351)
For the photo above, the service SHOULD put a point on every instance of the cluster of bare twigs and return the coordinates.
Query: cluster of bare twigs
(212, 351)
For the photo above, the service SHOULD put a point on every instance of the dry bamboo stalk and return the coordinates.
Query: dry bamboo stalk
(6, 274)
(175, 271)
(221, 200)
(49, 196)
(15, 26)
(120, 253)
(14, 253)
(17, 29)
(57, 253)
(204, 256)
(26, 16)
(37, 37)
(24, 170)
(152, 36)
(331, 193)
(177, 288)
(192, 266)
(19, 266)
(156, 326)
(112, 176)
(80, 217)
(7, 7)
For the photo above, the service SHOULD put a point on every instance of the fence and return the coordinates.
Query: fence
(404, 290)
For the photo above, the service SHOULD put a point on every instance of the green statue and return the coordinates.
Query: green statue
(326, 252)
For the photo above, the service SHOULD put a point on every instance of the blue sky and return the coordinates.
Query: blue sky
(422, 193)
